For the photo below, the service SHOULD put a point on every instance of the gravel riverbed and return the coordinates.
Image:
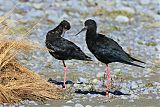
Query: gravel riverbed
(134, 24)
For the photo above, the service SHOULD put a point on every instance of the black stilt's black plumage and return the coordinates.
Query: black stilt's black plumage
(104, 48)
(63, 49)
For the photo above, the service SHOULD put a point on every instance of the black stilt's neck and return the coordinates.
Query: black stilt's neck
(91, 34)
(91, 37)
(57, 31)
(54, 33)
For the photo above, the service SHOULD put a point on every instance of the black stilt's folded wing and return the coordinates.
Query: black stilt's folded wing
(107, 50)
(67, 49)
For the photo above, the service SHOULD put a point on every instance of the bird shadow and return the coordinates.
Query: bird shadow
(116, 92)
(59, 82)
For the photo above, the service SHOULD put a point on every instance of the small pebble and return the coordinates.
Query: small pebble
(131, 100)
(134, 85)
(69, 101)
(76, 85)
(122, 19)
(100, 75)
(127, 9)
(66, 106)
(149, 97)
(124, 97)
(78, 105)
(33, 102)
(38, 5)
(146, 76)
(83, 80)
(102, 106)
(88, 106)
(95, 81)
(145, 91)
(157, 97)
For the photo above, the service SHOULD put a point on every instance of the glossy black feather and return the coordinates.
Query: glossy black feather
(63, 49)
(104, 48)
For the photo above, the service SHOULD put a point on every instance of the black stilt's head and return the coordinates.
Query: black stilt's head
(65, 25)
(89, 25)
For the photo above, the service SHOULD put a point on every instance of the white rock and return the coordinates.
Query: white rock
(149, 97)
(86, 88)
(157, 97)
(100, 75)
(156, 17)
(66, 106)
(134, 85)
(122, 19)
(76, 85)
(158, 87)
(38, 5)
(84, 80)
(131, 100)
(95, 81)
(47, 104)
(18, 106)
(78, 105)
(33, 102)
(117, 70)
(69, 101)
(127, 9)
(88, 106)
(102, 106)
(124, 97)
(146, 76)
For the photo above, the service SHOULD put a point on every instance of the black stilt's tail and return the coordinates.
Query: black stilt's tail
(88, 58)
(130, 63)
(137, 60)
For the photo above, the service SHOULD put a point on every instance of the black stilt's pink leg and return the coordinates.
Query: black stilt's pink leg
(65, 70)
(108, 80)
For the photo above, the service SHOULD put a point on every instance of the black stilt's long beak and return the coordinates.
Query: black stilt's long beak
(63, 33)
(85, 28)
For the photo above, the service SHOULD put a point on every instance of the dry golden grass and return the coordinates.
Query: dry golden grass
(18, 83)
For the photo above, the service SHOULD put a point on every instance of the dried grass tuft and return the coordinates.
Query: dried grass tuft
(18, 83)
